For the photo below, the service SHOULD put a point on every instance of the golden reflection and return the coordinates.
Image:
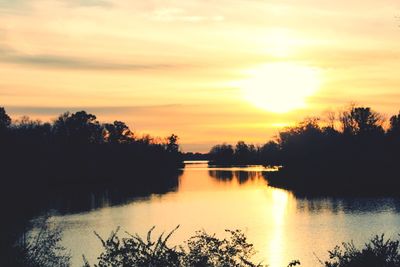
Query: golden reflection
(281, 227)
(277, 242)
(279, 203)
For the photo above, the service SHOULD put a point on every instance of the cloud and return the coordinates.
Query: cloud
(110, 110)
(178, 14)
(89, 3)
(15, 7)
(15, 4)
(11, 3)
(8, 55)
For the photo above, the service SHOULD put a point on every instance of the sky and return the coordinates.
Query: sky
(208, 71)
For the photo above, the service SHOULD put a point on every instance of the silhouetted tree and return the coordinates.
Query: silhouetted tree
(5, 120)
(269, 153)
(78, 128)
(118, 132)
(242, 152)
(361, 120)
(78, 143)
(221, 154)
(394, 128)
(316, 156)
(301, 139)
(172, 144)
(28, 130)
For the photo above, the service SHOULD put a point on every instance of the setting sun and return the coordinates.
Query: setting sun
(280, 87)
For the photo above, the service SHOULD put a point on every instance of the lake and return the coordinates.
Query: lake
(282, 227)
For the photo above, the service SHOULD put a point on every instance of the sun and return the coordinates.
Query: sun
(280, 87)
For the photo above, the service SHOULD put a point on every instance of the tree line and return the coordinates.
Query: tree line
(356, 149)
(77, 146)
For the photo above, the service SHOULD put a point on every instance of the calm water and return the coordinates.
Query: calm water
(281, 226)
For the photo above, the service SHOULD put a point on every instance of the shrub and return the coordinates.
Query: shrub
(42, 248)
(377, 253)
(201, 250)
(133, 251)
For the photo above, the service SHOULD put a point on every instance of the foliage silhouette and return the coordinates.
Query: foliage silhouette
(348, 153)
(118, 132)
(76, 148)
(42, 248)
(222, 155)
(377, 253)
(5, 120)
(201, 250)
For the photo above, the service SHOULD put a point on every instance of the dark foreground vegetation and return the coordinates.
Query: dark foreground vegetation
(43, 249)
(72, 158)
(354, 151)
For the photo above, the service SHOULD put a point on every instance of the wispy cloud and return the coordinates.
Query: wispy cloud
(178, 14)
(15, 7)
(89, 3)
(21, 4)
(110, 110)
(11, 3)
(8, 55)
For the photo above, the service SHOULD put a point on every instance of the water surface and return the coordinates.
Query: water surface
(281, 226)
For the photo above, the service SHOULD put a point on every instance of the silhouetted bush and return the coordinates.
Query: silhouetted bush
(376, 253)
(204, 250)
(134, 251)
(201, 250)
(42, 247)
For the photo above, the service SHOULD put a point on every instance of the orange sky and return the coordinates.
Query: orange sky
(178, 66)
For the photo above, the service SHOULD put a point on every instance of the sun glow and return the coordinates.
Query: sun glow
(280, 87)
(281, 43)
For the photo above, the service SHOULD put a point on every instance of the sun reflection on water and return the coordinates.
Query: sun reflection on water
(282, 227)
(279, 206)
